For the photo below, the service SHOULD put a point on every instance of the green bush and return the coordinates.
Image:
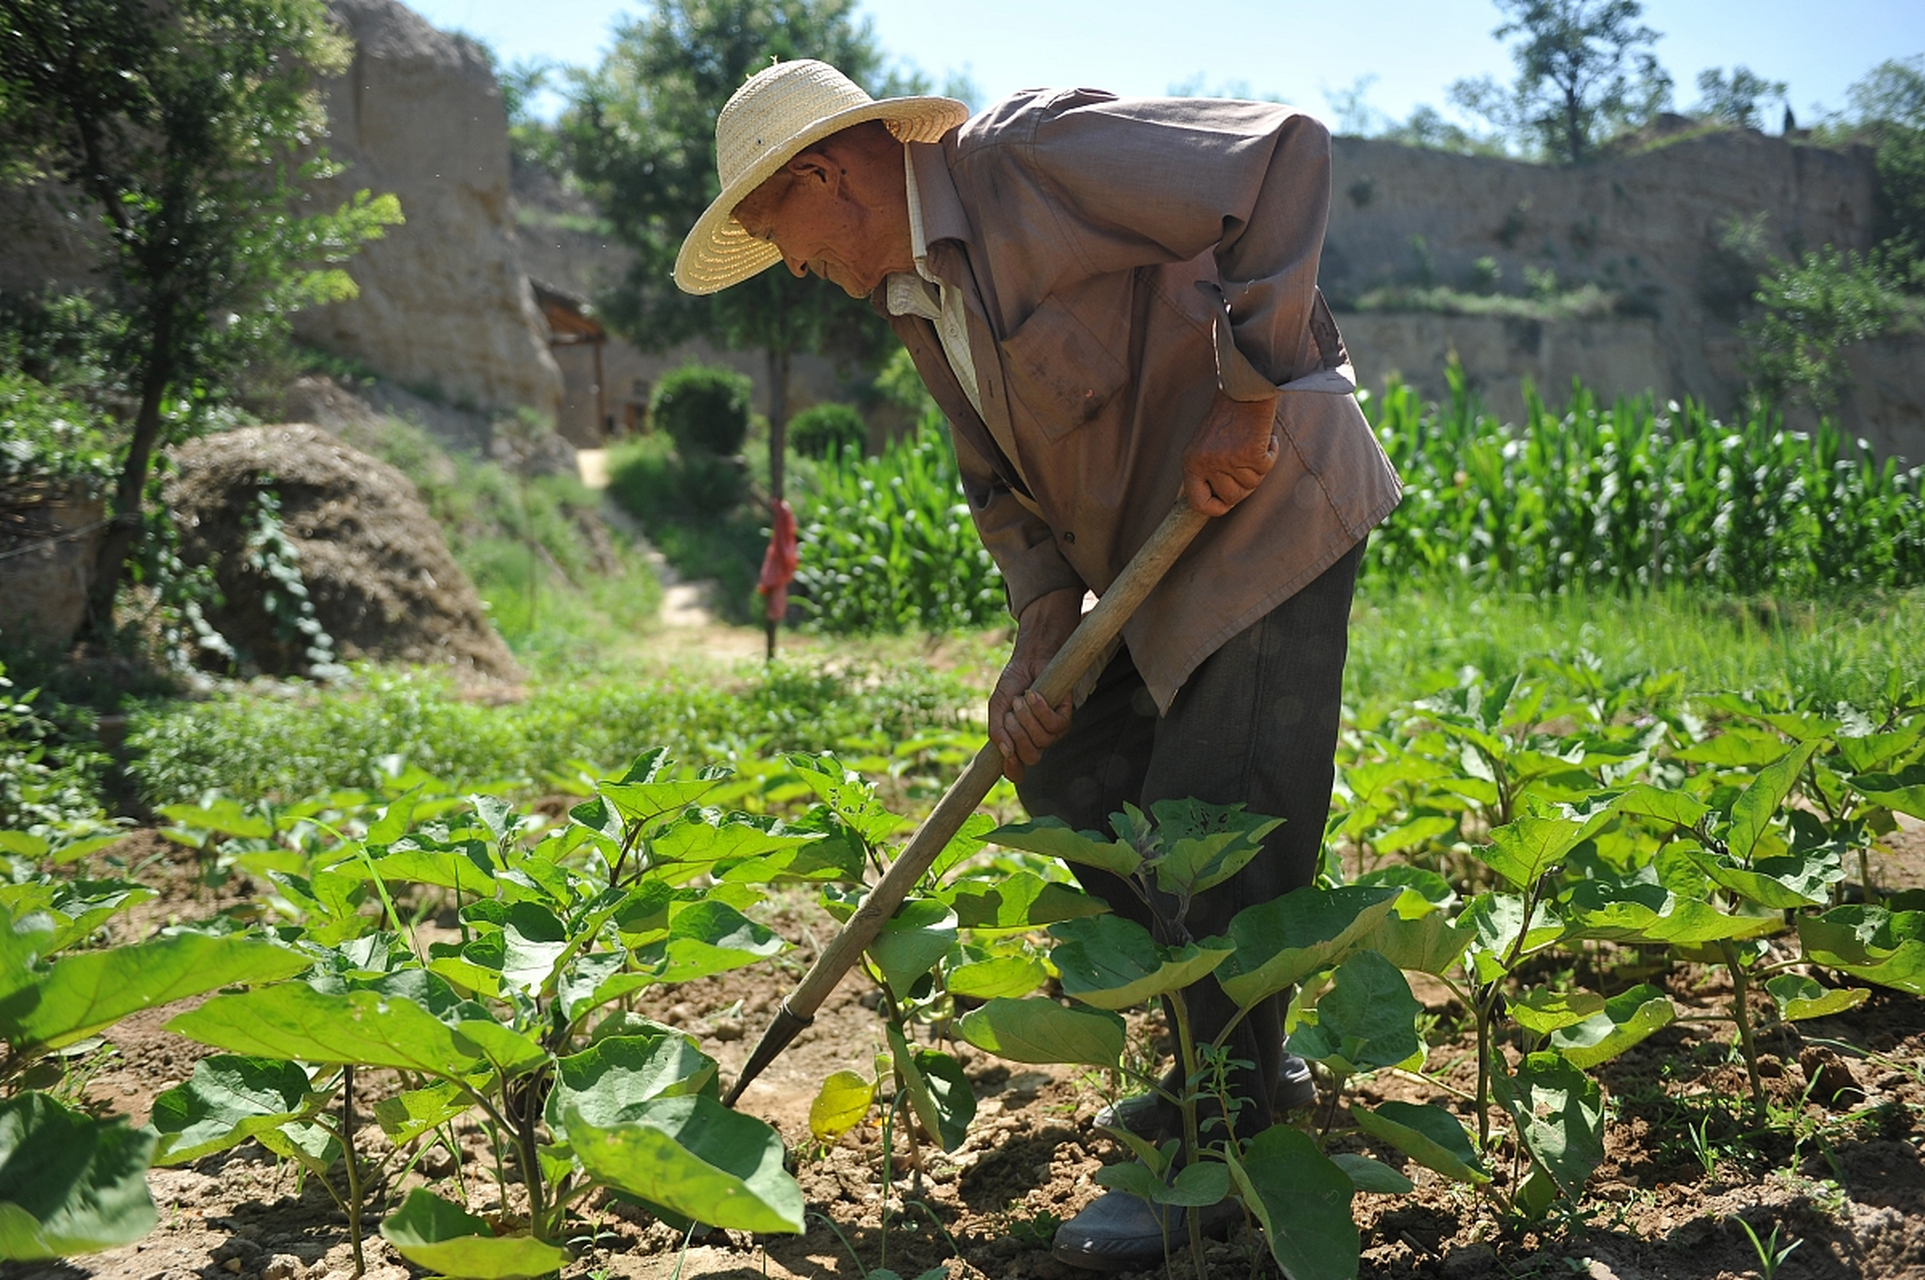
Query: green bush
(887, 544)
(48, 441)
(691, 510)
(49, 773)
(703, 409)
(824, 430)
(1629, 495)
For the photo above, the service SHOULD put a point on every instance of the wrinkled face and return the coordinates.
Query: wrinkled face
(826, 222)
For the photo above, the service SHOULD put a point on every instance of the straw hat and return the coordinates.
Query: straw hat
(773, 116)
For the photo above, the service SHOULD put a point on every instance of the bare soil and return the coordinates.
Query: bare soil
(1836, 1166)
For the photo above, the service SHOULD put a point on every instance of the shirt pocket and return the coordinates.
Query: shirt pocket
(1065, 364)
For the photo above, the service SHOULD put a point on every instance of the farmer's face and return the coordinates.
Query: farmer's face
(835, 215)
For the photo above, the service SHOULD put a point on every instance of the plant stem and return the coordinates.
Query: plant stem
(353, 1205)
(1186, 1045)
(1740, 988)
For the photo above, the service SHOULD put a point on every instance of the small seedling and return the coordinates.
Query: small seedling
(1770, 1256)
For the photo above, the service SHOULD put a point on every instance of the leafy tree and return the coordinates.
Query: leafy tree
(185, 127)
(1889, 104)
(1584, 69)
(1812, 310)
(640, 134)
(1735, 100)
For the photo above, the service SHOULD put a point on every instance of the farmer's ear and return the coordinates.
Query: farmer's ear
(812, 167)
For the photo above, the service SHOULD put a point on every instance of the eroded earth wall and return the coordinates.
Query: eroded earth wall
(1651, 229)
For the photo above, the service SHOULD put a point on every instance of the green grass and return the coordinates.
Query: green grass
(251, 744)
(564, 588)
(1811, 651)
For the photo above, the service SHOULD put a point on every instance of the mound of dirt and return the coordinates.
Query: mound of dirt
(372, 558)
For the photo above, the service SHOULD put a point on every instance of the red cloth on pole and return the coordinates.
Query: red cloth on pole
(779, 561)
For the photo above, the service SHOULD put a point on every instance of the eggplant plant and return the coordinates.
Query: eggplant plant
(523, 1021)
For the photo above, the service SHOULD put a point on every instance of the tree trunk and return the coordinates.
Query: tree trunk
(124, 531)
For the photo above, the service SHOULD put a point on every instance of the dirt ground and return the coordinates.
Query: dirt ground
(1839, 1173)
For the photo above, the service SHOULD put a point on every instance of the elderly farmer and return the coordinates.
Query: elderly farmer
(1112, 301)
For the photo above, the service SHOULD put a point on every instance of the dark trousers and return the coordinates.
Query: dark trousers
(1256, 724)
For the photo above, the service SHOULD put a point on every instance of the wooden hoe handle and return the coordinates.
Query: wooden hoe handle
(1087, 643)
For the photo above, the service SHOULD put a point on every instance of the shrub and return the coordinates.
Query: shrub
(48, 441)
(703, 409)
(825, 430)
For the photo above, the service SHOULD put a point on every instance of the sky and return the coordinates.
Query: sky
(1290, 49)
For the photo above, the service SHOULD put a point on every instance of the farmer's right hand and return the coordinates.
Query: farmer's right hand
(1021, 724)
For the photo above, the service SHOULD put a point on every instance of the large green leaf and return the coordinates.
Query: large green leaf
(697, 1158)
(848, 793)
(407, 1115)
(1429, 943)
(1287, 939)
(1524, 849)
(1039, 1030)
(221, 816)
(1627, 1018)
(997, 976)
(1903, 791)
(467, 869)
(1373, 1175)
(839, 1105)
(707, 938)
(294, 1021)
(1021, 901)
(1784, 882)
(606, 1082)
(919, 934)
(1498, 919)
(938, 1090)
(707, 836)
(1426, 1133)
(1642, 910)
(1886, 947)
(1543, 1011)
(1368, 1018)
(533, 939)
(1302, 1199)
(445, 1238)
(1054, 838)
(87, 992)
(69, 1183)
(1205, 844)
(1559, 1113)
(75, 908)
(1113, 963)
(227, 1101)
(1799, 997)
(1754, 809)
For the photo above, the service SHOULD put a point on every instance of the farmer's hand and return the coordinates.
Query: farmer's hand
(1021, 724)
(1234, 449)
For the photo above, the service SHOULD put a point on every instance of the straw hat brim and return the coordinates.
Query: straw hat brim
(718, 252)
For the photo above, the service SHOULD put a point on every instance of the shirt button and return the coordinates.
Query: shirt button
(1068, 536)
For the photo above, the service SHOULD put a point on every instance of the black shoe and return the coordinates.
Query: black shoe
(1124, 1232)
(1295, 1088)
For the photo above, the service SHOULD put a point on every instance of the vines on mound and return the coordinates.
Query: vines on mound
(1477, 833)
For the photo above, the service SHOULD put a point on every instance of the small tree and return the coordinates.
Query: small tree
(1584, 69)
(1889, 104)
(185, 126)
(640, 133)
(1735, 100)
